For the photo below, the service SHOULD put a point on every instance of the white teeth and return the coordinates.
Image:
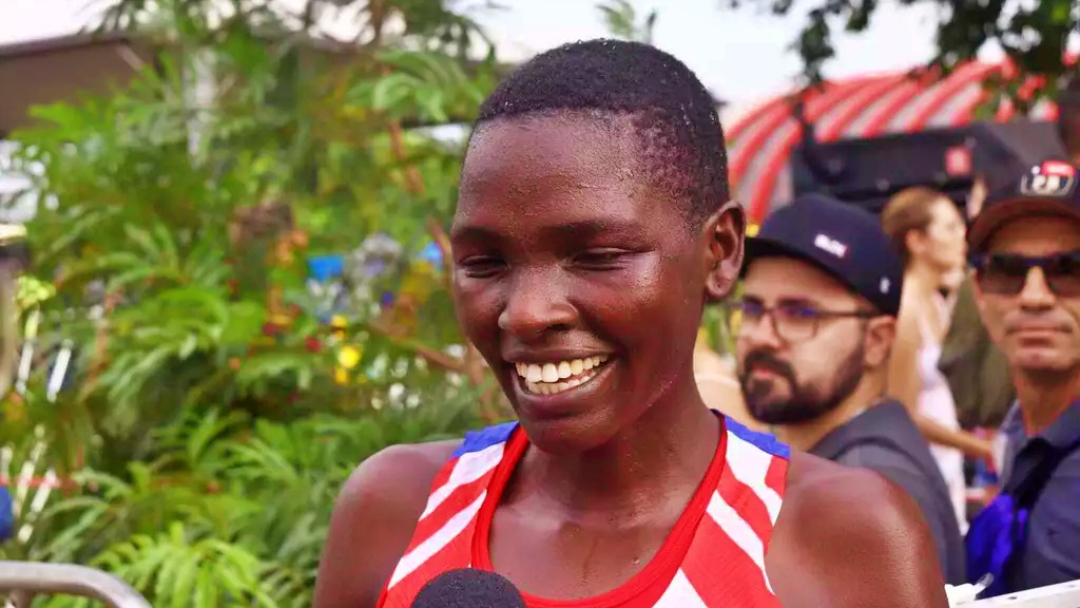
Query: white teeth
(556, 377)
(564, 370)
(545, 388)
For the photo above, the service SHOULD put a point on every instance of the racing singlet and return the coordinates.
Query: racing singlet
(714, 557)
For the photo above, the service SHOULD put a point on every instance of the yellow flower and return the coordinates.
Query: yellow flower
(348, 357)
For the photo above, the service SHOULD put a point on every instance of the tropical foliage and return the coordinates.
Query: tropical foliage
(199, 389)
(1033, 35)
(195, 399)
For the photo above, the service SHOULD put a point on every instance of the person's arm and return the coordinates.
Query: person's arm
(847, 538)
(946, 533)
(934, 507)
(905, 383)
(968, 443)
(373, 521)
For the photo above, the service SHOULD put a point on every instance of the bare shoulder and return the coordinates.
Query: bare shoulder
(398, 477)
(849, 537)
(908, 322)
(373, 521)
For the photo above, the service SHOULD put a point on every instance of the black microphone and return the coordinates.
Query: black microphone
(469, 588)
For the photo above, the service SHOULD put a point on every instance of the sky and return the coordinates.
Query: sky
(741, 55)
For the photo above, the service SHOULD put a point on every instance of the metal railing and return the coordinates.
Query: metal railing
(21, 581)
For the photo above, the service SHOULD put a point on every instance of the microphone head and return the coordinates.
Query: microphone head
(469, 588)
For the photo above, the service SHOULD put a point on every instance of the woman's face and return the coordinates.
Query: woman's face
(944, 242)
(580, 284)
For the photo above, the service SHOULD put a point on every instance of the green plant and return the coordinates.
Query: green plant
(207, 420)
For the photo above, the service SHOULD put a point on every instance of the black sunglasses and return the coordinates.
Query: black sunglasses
(1006, 273)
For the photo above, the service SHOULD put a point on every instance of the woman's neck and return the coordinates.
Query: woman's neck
(664, 453)
(921, 279)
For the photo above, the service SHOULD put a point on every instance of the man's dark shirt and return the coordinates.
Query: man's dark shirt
(1051, 554)
(884, 439)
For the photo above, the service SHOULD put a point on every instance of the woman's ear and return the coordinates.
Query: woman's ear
(914, 242)
(724, 233)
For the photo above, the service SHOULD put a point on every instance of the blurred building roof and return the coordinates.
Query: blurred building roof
(62, 68)
(56, 69)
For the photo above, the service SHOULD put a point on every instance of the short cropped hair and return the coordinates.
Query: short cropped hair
(681, 142)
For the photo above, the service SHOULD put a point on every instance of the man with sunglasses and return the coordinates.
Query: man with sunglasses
(1026, 246)
(821, 292)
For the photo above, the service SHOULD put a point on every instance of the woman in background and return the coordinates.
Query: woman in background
(929, 231)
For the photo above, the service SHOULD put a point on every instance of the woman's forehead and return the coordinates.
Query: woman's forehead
(554, 210)
(553, 172)
(547, 152)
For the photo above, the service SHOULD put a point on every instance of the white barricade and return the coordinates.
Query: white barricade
(1064, 595)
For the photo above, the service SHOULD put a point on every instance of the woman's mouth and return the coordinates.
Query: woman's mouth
(558, 376)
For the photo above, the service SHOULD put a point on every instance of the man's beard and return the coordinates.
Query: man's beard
(805, 403)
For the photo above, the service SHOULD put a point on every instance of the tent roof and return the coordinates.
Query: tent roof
(760, 141)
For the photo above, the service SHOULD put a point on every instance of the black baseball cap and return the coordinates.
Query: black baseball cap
(1046, 188)
(842, 240)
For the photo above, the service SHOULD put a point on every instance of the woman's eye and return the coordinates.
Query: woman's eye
(481, 266)
(600, 258)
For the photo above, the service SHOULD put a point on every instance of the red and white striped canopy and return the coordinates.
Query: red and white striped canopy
(760, 142)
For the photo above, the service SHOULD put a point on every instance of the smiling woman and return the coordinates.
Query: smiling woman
(595, 270)
(593, 226)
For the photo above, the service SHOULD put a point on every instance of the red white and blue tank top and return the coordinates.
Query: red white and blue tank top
(714, 557)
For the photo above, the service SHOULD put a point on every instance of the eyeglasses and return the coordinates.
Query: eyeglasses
(1006, 273)
(792, 322)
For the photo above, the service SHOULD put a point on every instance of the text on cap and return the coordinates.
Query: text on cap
(831, 245)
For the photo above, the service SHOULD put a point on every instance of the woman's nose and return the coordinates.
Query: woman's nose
(536, 303)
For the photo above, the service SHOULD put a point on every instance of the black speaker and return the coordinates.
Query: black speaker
(866, 172)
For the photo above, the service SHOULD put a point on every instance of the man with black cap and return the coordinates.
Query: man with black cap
(821, 292)
(1026, 246)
